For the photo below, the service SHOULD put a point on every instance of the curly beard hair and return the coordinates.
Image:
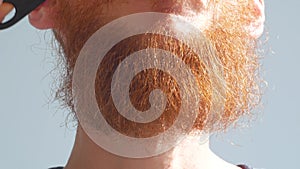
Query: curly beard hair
(228, 33)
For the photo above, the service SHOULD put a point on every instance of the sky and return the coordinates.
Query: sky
(33, 129)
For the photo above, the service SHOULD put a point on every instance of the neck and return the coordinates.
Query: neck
(189, 154)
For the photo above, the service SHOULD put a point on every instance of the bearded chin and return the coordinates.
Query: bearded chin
(235, 50)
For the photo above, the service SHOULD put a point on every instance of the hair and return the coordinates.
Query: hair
(228, 33)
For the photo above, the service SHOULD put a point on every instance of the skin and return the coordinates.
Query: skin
(189, 153)
(5, 8)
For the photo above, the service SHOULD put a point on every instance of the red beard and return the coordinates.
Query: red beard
(236, 49)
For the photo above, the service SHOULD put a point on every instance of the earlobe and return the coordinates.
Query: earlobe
(43, 16)
(256, 28)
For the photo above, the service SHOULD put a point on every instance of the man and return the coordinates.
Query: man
(232, 28)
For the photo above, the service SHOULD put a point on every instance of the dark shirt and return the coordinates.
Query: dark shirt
(244, 167)
(241, 166)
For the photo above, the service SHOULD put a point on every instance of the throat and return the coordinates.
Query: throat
(189, 154)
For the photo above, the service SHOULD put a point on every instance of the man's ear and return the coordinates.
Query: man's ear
(43, 16)
(256, 28)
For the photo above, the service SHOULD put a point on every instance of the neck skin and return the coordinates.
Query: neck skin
(189, 154)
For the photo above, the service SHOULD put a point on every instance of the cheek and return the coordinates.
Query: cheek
(202, 21)
(248, 15)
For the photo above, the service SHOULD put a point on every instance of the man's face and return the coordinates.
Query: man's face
(231, 26)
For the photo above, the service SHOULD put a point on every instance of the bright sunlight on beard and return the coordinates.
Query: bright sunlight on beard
(236, 50)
